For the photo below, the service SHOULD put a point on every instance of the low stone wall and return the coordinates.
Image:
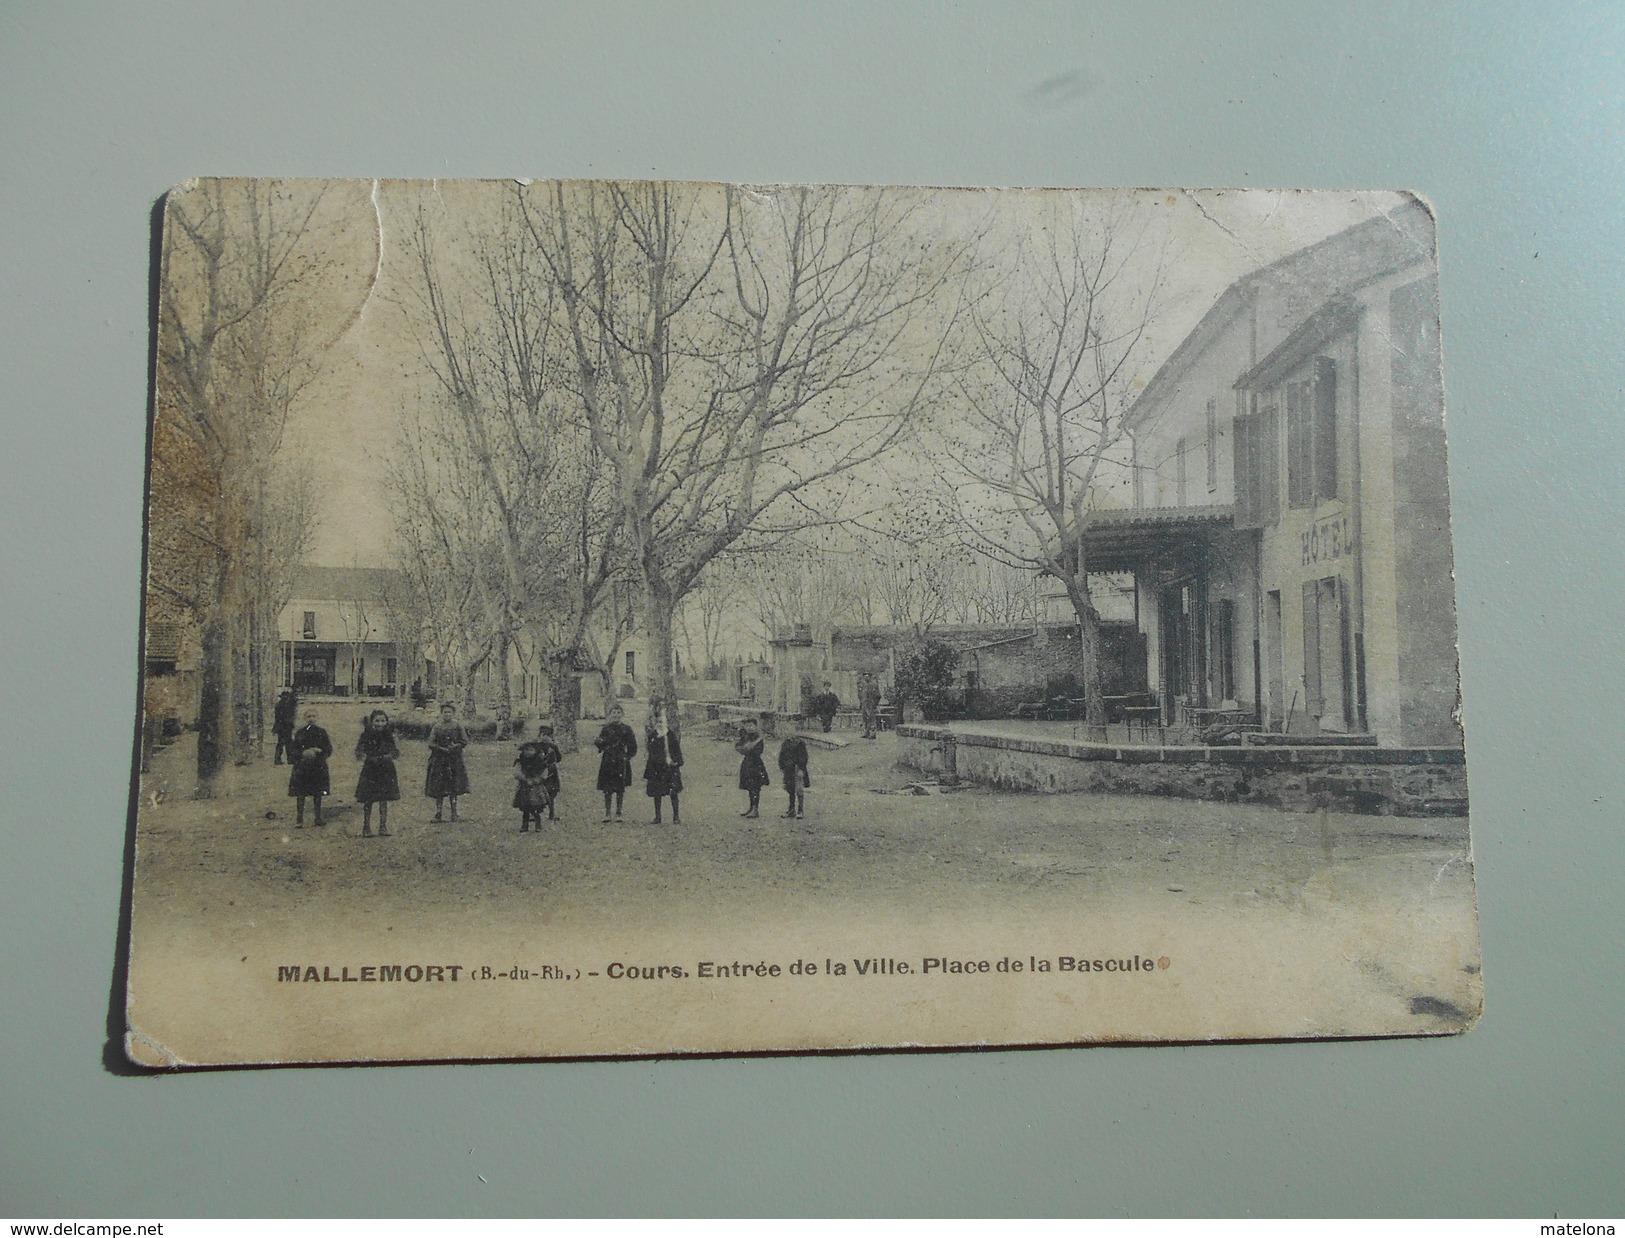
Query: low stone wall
(722, 720)
(1406, 782)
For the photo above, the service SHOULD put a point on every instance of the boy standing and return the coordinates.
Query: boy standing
(797, 778)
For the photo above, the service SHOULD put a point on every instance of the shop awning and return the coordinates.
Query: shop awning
(1124, 540)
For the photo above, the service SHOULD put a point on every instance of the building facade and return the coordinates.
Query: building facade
(335, 634)
(1290, 539)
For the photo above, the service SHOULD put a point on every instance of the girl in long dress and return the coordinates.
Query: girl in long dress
(378, 783)
(447, 775)
(618, 744)
(663, 764)
(752, 769)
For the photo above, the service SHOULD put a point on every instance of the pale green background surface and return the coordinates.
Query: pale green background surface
(1508, 117)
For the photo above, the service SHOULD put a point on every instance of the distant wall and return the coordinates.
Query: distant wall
(1010, 665)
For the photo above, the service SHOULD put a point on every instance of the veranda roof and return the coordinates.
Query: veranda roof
(1120, 540)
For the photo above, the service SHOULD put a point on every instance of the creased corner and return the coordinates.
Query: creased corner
(143, 1050)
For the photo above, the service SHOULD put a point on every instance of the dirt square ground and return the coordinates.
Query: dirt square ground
(1239, 922)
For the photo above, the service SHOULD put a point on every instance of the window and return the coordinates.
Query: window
(1255, 463)
(1212, 446)
(310, 625)
(631, 664)
(1179, 473)
(390, 668)
(1311, 430)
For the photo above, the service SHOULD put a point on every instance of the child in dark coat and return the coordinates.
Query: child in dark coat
(619, 744)
(447, 774)
(537, 780)
(310, 777)
(752, 769)
(378, 783)
(663, 763)
(797, 777)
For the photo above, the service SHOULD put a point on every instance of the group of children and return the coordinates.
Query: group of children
(536, 775)
(378, 785)
(753, 776)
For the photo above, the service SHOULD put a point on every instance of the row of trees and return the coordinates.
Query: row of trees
(253, 294)
(849, 579)
(636, 384)
(644, 394)
(699, 399)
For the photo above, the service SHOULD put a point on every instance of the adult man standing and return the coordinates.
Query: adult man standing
(826, 705)
(870, 699)
(287, 710)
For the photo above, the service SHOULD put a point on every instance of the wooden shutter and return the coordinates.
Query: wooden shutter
(1325, 429)
(1299, 446)
(1311, 648)
(1353, 708)
(1243, 446)
(1212, 444)
(1268, 437)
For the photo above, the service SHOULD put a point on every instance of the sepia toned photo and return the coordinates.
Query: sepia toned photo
(635, 618)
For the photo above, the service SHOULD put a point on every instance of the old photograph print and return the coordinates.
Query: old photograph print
(618, 618)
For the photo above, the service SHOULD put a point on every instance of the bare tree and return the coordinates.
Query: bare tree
(442, 547)
(802, 580)
(250, 301)
(1044, 430)
(535, 500)
(737, 352)
(703, 621)
(406, 609)
(914, 580)
(999, 592)
(286, 507)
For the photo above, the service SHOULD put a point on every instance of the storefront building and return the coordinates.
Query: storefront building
(1290, 540)
(335, 634)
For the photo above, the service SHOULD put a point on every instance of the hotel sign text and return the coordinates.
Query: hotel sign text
(1326, 540)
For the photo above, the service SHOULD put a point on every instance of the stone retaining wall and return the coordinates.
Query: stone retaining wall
(1407, 782)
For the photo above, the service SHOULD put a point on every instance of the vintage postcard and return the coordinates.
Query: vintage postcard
(614, 618)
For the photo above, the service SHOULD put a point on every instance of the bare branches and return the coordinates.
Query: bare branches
(503, 461)
(250, 302)
(1044, 408)
(734, 352)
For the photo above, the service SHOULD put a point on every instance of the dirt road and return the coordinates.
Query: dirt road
(1278, 923)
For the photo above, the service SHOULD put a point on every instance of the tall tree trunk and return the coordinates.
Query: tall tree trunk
(659, 604)
(242, 684)
(1094, 704)
(564, 694)
(504, 673)
(504, 686)
(211, 756)
(260, 662)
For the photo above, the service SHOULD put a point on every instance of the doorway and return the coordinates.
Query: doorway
(1182, 623)
(1275, 682)
(1326, 662)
